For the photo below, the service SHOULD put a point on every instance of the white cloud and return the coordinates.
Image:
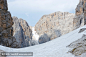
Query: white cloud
(42, 5)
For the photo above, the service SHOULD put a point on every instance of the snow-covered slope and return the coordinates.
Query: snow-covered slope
(55, 48)
(35, 35)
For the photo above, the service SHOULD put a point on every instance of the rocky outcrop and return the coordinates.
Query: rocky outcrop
(80, 15)
(79, 46)
(81, 30)
(54, 25)
(6, 30)
(22, 32)
(44, 38)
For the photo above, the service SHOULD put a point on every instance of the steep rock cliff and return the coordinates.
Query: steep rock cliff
(54, 25)
(22, 32)
(80, 15)
(6, 30)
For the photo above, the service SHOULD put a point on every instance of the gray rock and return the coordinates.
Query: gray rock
(22, 32)
(81, 30)
(43, 38)
(79, 46)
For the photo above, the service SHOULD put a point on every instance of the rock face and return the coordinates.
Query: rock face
(6, 30)
(54, 25)
(80, 16)
(22, 32)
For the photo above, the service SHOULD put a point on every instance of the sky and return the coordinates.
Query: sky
(33, 10)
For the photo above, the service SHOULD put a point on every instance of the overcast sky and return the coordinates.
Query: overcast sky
(33, 10)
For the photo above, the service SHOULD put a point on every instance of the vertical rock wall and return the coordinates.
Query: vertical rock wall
(6, 30)
(80, 15)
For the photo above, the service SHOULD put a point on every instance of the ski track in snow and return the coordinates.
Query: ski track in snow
(53, 48)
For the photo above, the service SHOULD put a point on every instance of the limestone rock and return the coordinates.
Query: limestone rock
(80, 15)
(6, 30)
(22, 32)
(79, 46)
(54, 25)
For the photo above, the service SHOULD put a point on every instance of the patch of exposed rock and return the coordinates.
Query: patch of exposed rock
(54, 25)
(6, 30)
(22, 32)
(81, 30)
(79, 46)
